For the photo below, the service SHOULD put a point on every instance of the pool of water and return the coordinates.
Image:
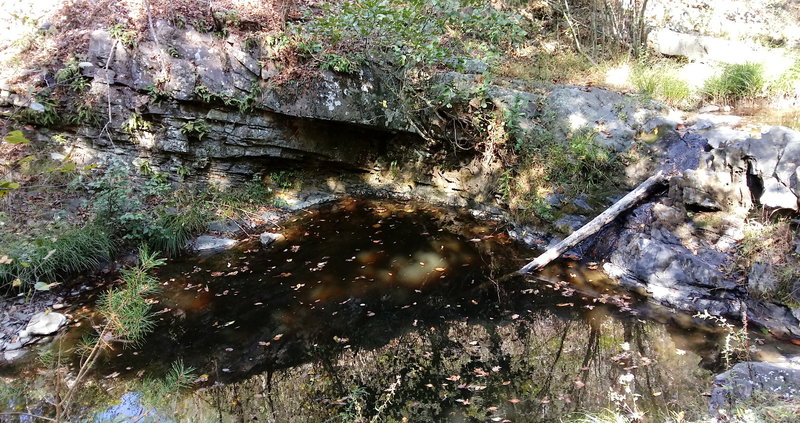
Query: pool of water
(393, 311)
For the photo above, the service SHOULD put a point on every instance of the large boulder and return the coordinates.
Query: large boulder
(615, 118)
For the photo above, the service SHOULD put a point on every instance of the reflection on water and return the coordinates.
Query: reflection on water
(378, 308)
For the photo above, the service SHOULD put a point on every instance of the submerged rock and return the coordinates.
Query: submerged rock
(227, 225)
(745, 379)
(268, 238)
(212, 243)
(44, 324)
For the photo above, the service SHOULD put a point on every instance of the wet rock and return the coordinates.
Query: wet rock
(570, 223)
(268, 238)
(210, 243)
(745, 379)
(45, 323)
(224, 226)
(580, 202)
(309, 199)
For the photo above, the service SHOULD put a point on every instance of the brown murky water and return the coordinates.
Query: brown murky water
(392, 311)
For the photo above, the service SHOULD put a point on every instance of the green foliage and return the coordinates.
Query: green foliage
(244, 104)
(772, 245)
(197, 128)
(203, 93)
(546, 164)
(338, 63)
(408, 32)
(158, 393)
(84, 114)
(736, 82)
(125, 209)
(49, 117)
(16, 137)
(70, 75)
(285, 179)
(156, 93)
(126, 36)
(125, 309)
(173, 51)
(136, 123)
(232, 200)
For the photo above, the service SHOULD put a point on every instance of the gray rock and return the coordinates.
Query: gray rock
(14, 354)
(745, 379)
(10, 346)
(696, 47)
(45, 323)
(774, 159)
(209, 243)
(268, 238)
(271, 216)
(615, 118)
(554, 199)
(36, 107)
(722, 136)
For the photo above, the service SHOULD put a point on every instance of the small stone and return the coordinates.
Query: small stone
(13, 355)
(268, 238)
(45, 323)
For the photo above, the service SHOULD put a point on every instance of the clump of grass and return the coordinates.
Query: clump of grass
(45, 255)
(662, 83)
(736, 83)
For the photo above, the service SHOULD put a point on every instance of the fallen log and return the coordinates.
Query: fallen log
(595, 224)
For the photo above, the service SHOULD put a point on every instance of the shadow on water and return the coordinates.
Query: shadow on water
(376, 308)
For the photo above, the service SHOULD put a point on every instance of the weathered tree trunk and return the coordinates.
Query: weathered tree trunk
(595, 224)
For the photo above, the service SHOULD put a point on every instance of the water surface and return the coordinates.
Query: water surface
(395, 311)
